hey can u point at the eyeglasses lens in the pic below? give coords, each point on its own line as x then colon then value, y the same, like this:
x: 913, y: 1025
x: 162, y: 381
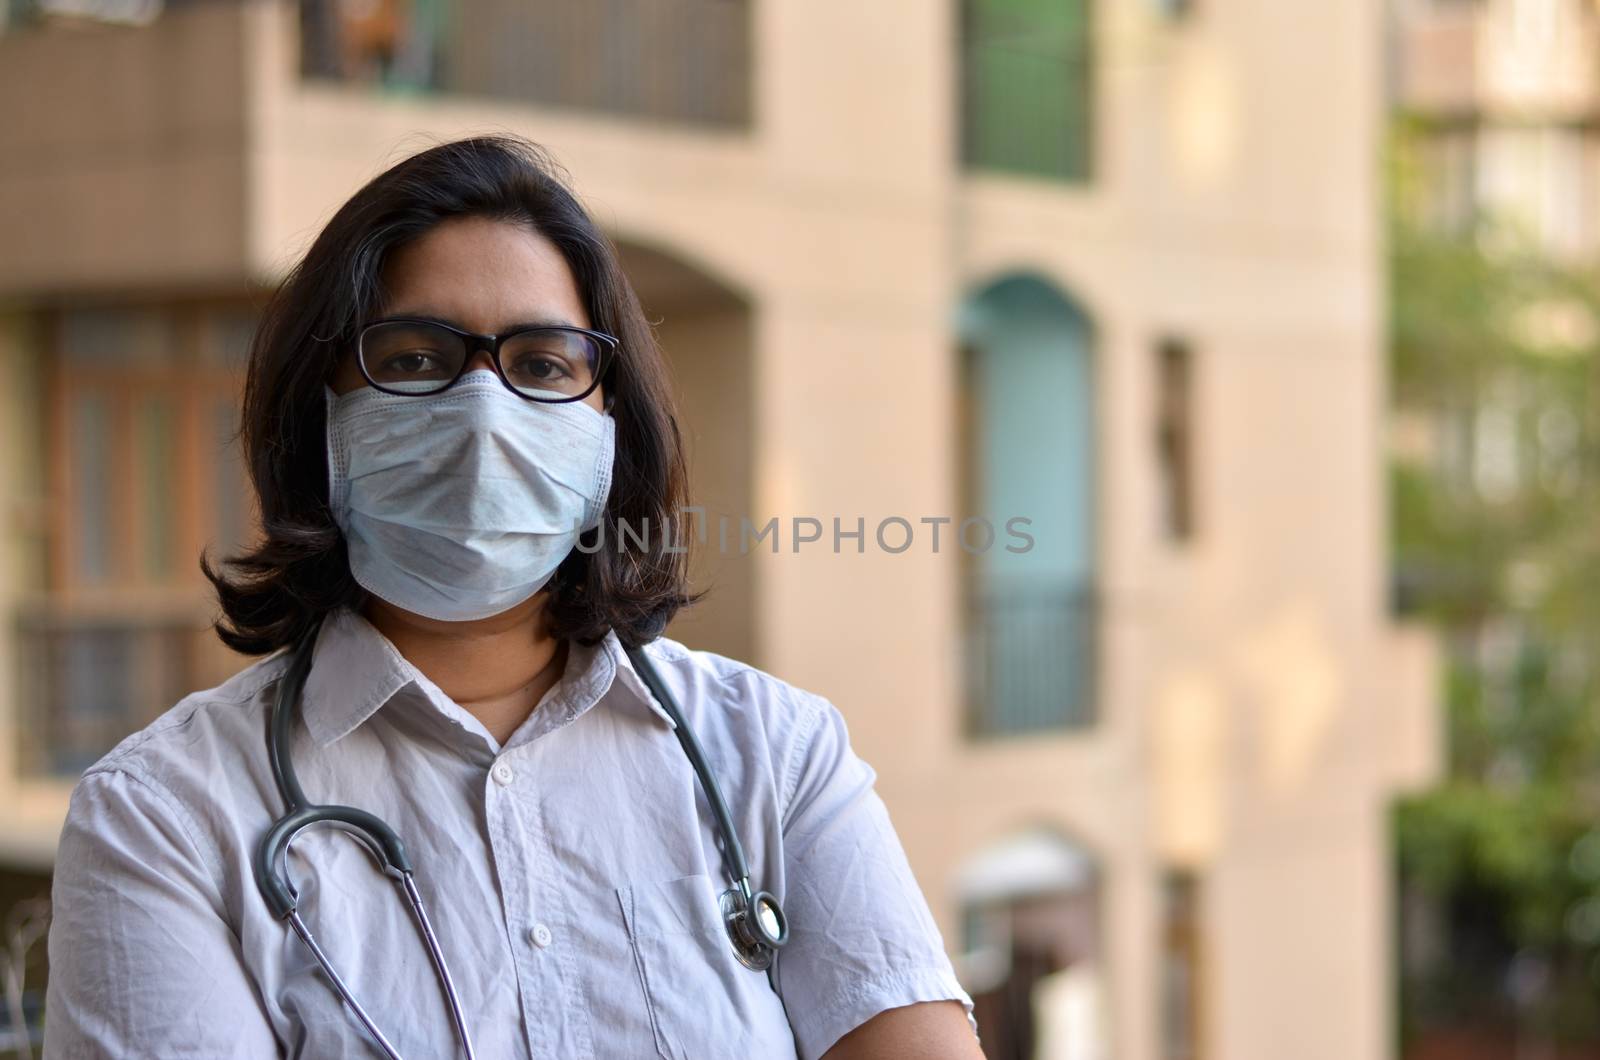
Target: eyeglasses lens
x: 411, y: 358
x: 550, y: 363
x: 545, y: 364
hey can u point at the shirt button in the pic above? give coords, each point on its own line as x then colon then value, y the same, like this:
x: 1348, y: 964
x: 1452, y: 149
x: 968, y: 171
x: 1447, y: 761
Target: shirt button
x: 503, y: 774
x: 541, y: 936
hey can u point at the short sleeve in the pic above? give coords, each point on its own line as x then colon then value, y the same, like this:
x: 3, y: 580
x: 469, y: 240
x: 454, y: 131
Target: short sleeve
x: 142, y: 962
x: 862, y: 939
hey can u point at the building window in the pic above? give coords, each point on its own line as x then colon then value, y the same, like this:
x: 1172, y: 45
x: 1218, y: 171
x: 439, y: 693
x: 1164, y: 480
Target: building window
x: 1180, y: 967
x: 1028, y: 465
x: 143, y: 474
x: 1175, y: 438
x: 1448, y: 164
x: 1027, y: 87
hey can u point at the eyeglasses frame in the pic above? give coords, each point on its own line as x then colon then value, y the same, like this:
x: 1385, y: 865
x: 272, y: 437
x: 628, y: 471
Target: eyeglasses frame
x: 477, y: 341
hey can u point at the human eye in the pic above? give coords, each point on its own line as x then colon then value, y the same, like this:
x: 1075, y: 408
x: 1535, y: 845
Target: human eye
x: 550, y: 360
x: 414, y: 362
x: 540, y: 367
x: 408, y: 354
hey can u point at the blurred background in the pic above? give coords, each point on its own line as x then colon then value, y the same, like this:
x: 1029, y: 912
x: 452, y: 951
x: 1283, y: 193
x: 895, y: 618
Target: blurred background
x: 1278, y: 318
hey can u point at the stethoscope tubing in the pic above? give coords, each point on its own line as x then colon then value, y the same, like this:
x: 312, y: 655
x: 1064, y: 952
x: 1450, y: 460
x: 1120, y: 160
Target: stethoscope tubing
x: 754, y: 943
x: 734, y: 852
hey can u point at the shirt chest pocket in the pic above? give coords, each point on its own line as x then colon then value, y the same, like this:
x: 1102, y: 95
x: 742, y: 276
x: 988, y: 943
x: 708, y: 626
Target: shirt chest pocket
x: 703, y: 1003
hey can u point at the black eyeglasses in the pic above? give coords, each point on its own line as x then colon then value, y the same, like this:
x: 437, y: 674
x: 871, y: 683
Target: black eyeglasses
x: 550, y: 363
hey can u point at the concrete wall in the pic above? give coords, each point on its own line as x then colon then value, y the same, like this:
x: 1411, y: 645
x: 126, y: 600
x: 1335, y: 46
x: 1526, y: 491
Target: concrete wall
x: 124, y: 154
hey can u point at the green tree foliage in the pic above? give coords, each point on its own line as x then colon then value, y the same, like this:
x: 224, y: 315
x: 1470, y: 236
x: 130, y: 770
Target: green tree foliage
x: 1495, y: 501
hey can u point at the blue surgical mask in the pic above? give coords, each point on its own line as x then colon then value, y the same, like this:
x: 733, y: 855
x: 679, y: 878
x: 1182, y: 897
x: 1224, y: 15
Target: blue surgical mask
x: 460, y: 505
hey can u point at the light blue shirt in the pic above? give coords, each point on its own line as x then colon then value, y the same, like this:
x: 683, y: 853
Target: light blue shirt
x: 572, y: 874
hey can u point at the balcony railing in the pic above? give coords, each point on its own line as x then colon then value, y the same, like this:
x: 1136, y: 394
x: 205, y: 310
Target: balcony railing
x: 1030, y: 659
x: 87, y: 682
x: 666, y: 60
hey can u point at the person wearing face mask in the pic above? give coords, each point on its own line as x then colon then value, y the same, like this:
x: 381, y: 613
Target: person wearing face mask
x: 471, y: 802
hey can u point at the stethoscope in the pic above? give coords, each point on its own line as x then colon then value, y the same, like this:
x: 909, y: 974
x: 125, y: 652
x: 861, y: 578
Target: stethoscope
x: 756, y: 937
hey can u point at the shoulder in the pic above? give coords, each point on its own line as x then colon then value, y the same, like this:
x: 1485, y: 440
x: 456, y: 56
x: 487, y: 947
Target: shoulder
x: 206, y: 750
x: 725, y: 689
x: 209, y: 720
x: 163, y: 797
x: 748, y: 710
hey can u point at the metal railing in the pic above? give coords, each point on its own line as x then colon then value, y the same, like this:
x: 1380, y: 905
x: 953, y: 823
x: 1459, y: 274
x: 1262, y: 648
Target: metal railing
x: 23, y: 934
x: 1030, y: 659
x: 669, y: 60
x: 87, y: 682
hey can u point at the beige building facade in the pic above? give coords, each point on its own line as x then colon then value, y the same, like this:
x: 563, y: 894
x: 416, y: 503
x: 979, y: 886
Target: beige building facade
x: 1141, y: 769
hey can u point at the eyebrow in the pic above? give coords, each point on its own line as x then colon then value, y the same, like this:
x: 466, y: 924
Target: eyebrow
x: 440, y: 318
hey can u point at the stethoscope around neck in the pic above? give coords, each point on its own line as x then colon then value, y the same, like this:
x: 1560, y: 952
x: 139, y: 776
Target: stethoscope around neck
x: 754, y: 920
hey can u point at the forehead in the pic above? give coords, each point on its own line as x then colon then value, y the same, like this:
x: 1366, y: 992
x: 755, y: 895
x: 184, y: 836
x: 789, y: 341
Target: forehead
x: 483, y: 275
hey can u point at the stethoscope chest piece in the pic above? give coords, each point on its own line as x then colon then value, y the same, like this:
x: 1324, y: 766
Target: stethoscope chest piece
x: 756, y: 927
x: 754, y: 920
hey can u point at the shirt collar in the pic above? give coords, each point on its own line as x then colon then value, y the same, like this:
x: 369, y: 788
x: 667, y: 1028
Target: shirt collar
x: 355, y: 670
x: 629, y: 677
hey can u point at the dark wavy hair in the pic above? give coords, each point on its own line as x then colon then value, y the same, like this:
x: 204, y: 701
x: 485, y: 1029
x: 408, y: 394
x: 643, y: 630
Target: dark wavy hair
x: 273, y: 592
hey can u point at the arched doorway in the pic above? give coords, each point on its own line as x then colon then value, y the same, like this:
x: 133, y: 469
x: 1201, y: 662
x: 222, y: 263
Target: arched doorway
x: 704, y: 327
x: 1027, y: 391
x: 1033, y: 959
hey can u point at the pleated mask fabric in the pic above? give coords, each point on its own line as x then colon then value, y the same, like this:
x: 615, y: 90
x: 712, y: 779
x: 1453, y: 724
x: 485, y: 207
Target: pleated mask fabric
x: 461, y: 505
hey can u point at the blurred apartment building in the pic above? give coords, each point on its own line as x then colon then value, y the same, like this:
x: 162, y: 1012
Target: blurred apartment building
x: 1498, y: 102
x: 1113, y: 267
x: 1504, y: 96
